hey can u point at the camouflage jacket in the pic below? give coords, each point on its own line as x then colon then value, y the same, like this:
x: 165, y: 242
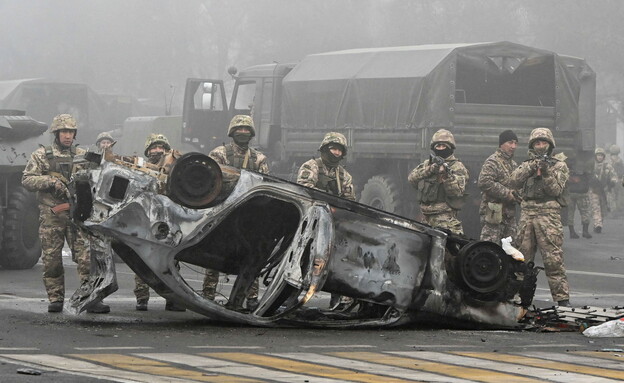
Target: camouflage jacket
x: 309, y: 176
x: 37, y: 178
x: 494, y: 180
x: 553, y: 183
x: 618, y: 165
x: 605, y: 176
x: 453, y: 183
x: 220, y: 154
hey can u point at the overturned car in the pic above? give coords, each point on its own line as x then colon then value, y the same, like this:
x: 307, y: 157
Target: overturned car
x: 298, y: 242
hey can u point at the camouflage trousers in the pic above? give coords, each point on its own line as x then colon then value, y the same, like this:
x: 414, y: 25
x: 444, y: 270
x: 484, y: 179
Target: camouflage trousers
x: 141, y: 289
x: 54, y: 230
x: 598, y: 207
x: 581, y: 202
x: 445, y: 220
x: 211, y: 280
x: 495, y: 232
x: 616, y: 199
x: 539, y: 229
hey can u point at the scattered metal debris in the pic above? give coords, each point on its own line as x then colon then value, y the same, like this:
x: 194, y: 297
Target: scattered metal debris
x: 28, y: 371
x: 558, y: 318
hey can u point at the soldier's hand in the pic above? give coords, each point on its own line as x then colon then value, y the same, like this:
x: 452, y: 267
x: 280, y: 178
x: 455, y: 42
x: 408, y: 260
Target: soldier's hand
x: 60, y: 188
x: 514, y: 196
x: 544, y: 168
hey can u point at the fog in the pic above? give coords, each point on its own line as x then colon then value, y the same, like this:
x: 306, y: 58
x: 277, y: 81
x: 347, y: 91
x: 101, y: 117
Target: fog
x: 147, y: 48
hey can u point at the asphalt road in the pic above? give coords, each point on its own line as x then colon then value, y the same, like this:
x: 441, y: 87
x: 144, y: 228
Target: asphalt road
x: 163, y: 346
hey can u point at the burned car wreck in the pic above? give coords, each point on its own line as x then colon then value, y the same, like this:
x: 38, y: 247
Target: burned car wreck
x: 297, y: 241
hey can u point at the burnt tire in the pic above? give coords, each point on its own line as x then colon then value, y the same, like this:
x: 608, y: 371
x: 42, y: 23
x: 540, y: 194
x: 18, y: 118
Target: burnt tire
x: 21, y: 247
x: 383, y: 193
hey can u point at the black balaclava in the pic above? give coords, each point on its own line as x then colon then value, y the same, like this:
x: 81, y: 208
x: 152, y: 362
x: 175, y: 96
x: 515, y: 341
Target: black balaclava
x: 241, y: 139
x: 444, y: 153
x: 328, y: 158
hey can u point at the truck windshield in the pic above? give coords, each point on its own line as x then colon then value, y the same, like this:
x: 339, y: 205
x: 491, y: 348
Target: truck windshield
x: 244, y: 96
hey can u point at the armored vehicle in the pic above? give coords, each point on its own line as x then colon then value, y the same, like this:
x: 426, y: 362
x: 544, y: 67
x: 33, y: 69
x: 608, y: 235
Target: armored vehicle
x: 20, y: 135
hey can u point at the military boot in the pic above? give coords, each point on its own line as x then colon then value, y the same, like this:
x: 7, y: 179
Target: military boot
x: 573, y: 233
x: 55, y: 307
x: 586, y: 231
x: 598, y: 229
x: 141, y: 305
x: 564, y: 303
x: 99, y: 308
x: 172, y: 306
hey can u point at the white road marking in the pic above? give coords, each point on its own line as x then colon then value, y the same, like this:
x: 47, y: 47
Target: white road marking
x: 519, y: 369
x: 82, y: 368
x: 327, y: 346
x: 234, y: 368
x: 229, y: 347
x: 113, y: 348
x: 578, y: 359
x: 368, y: 367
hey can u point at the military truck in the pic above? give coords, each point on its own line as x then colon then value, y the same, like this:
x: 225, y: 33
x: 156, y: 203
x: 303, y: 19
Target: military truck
x: 390, y: 101
x: 20, y: 135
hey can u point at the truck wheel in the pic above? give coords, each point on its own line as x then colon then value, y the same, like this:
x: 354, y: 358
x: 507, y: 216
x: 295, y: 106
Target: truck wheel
x: 383, y: 193
x: 21, y: 247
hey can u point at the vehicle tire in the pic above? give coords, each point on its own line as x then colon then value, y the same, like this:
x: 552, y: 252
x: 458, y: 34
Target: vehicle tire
x: 21, y: 247
x: 383, y: 192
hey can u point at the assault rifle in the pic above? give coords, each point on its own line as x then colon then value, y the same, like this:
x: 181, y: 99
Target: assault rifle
x: 439, y: 161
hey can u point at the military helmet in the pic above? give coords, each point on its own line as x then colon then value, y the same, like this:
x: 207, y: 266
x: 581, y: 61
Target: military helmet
x: 335, y: 138
x: 104, y: 136
x: 241, y: 120
x: 63, y: 121
x: 600, y: 151
x: 614, y: 149
x: 443, y: 136
x: 156, y: 138
x: 543, y: 134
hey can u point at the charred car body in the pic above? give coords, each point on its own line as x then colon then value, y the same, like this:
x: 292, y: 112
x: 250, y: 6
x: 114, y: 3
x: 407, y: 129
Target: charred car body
x: 298, y: 242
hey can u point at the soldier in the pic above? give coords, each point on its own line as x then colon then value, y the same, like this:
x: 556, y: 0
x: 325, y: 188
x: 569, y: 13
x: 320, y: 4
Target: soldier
x: 104, y: 140
x: 48, y: 172
x: 237, y: 154
x: 578, y: 196
x: 542, y: 180
x: 441, y: 181
x: 605, y: 178
x: 158, y: 152
x: 498, y: 200
x: 325, y: 173
x: 617, y: 193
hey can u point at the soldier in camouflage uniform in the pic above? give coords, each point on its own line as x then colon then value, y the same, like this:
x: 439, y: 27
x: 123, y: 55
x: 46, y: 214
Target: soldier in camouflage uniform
x: 237, y: 154
x: 605, y: 179
x: 498, y: 200
x: 104, y: 140
x: 158, y: 152
x: 542, y: 180
x: 47, y: 173
x: 617, y: 193
x: 578, y: 196
x: 326, y: 174
x: 441, y: 181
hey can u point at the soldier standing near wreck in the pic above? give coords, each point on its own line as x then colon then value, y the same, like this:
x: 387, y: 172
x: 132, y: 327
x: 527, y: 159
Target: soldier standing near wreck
x: 325, y: 173
x: 578, y: 196
x: 441, y: 181
x: 542, y: 180
x: 158, y: 152
x: 498, y: 199
x: 605, y: 179
x: 237, y: 154
x: 617, y: 193
x: 47, y: 173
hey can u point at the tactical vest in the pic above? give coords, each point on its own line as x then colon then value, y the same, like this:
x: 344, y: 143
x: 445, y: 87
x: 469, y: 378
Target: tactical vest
x: 432, y: 191
x: 328, y: 182
x: 60, y: 167
x: 237, y: 160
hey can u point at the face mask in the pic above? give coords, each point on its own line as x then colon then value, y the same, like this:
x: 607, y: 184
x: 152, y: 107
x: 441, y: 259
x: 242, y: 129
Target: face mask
x: 444, y: 153
x: 154, y: 158
x: 241, y: 139
x: 329, y: 159
x: 541, y: 151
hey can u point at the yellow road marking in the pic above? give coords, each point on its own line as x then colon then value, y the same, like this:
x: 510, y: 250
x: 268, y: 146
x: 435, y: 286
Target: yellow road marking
x: 618, y: 356
x: 470, y: 373
x: 548, y: 364
x: 154, y: 367
x: 304, y: 367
